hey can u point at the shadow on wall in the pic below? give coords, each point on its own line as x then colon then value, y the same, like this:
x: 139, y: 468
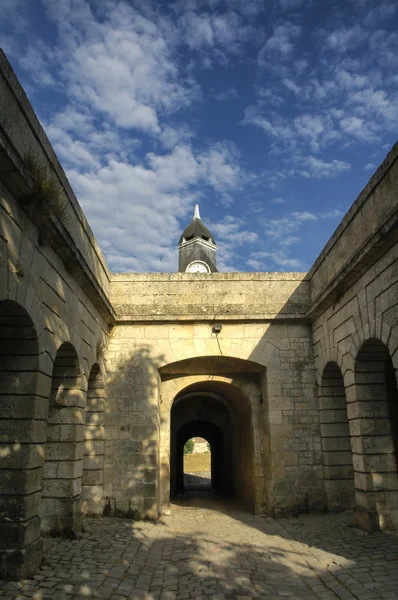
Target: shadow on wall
x: 293, y: 460
x: 131, y: 435
x: 275, y: 377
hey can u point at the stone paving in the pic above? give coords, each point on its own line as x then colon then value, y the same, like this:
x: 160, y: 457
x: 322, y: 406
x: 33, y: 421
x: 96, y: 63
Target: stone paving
x: 208, y: 550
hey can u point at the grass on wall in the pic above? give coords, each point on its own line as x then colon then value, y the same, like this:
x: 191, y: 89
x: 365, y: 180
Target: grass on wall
x: 46, y: 196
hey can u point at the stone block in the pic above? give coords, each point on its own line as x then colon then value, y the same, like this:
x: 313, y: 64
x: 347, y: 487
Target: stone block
x: 378, y: 463
x: 93, y: 507
x: 275, y: 417
x: 21, y: 456
x: 22, y: 431
x: 61, y: 488
x: 94, y: 432
x: 93, y: 462
x: 20, y: 481
x: 94, y: 419
x: 367, y: 410
x: 22, y: 563
x: 18, y: 535
x: 338, y: 472
x: 65, y: 433
x: 371, y: 426
x: 24, y: 407
x: 61, y: 525
x: 19, y: 508
x: 366, y: 519
x: 66, y: 416
x: 334, y: 430
x: 377, y: 444
x: 94, y: 447
x: 64, y: 451
x: 334, y: 416
x: 92, y: 478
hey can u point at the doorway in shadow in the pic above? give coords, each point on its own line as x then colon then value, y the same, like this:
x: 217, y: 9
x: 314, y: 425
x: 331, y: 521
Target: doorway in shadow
x: 200, y: 411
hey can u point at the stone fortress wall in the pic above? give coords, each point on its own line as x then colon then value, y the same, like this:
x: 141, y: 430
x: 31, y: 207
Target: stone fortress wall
x: 164, y: 334
x: 354, y: 314
x: 54, y: 314
x: 102, y: 372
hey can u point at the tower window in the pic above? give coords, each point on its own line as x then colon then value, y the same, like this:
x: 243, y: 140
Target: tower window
x: 205, y: 238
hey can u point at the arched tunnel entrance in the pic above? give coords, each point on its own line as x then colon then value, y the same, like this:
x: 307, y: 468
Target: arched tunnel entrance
x: 215, y: 438
x: 221, y: 414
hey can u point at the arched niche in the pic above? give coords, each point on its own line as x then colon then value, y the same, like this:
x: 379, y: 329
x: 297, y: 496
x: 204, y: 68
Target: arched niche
x: 373, y: 416
x: 335, y: 439
x: 61, y: 496
x: 23, y: 411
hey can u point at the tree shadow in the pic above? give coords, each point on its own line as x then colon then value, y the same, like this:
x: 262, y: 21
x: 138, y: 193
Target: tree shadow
x: 131, y: 463
x: 221, y: 558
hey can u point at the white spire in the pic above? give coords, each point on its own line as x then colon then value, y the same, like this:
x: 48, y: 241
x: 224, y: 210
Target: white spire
x: 196, y: 214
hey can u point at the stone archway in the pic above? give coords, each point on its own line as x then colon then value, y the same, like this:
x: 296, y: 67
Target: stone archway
x: 236, y: 385
x: 373, y: 416
x: 216, y: 411
x: 63, y: 464
x: 202, y: 414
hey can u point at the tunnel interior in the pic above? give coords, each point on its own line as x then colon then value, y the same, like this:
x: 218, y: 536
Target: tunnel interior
x: 224, y: 419
x: 215, y: 438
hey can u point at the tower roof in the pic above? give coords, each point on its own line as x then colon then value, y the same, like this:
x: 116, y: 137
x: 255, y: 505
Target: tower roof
x: 197, y: 229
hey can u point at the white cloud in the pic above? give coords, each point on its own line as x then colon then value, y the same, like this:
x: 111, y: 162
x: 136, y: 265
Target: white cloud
x: 36, y: 62
x: 221, y: 33
x: 311, y: 132
x: 321, y: 169
x: 221, y: 167
x: 280, y: 44
x: 226, y: 94
x: 122, y: 66
x: 304, y: 216
x: 267, y: 261
x: 369, y: 167
x: 148, y: 199
x: 126, y: 80
x: 336, y: 213
x: 358, y: 128
x: 172, y: 135
x: 346, y: 37
x: 283, y: 233
x: 381, y: 12
x: 231, y: 233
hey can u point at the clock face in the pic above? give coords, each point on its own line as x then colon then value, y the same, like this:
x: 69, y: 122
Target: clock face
x: 197, y: 266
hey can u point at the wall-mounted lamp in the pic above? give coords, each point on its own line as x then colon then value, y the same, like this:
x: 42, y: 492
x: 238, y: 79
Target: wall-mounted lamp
x: 216, y: 328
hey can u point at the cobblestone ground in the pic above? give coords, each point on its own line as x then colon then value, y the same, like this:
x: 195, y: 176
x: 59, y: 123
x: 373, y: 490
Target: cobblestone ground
x: 205, y: 550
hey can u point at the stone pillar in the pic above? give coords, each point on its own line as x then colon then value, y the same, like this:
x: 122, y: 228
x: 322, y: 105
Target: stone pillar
x: 22, y: 434
x: 93, y: 462
x: 23, y: 411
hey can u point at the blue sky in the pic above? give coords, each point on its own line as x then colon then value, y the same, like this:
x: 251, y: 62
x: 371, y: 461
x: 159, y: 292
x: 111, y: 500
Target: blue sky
x: 271, y: 114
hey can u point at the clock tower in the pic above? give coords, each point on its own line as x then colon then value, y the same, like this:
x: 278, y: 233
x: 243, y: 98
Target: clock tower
x: 197, y: 248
